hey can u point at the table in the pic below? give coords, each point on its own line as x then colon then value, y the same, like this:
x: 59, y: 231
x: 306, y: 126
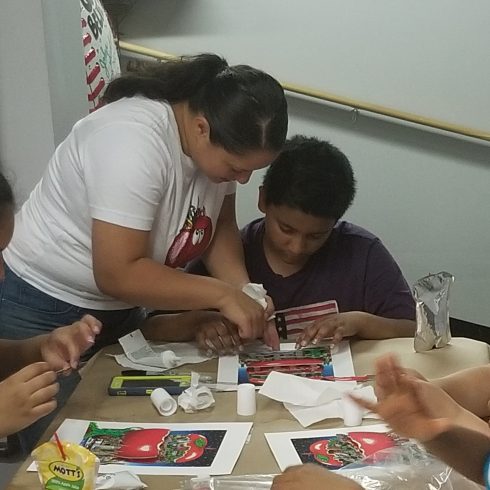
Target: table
x: 90, y: 401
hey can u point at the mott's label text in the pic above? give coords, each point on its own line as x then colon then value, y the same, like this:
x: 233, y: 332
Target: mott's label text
x: 66, y: 476
x: 67, y: 471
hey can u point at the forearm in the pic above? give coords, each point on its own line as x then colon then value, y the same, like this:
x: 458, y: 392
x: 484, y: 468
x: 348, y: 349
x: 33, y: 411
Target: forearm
x: 463, y: 449
x: 376, y: 327
x: 145, y: 282
x: 19, y: 353
x: 179, y: 327
x: 224, y: 258
x: 469, y: 388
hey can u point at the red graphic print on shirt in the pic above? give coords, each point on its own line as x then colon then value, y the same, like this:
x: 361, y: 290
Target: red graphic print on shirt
x: 193, y: 238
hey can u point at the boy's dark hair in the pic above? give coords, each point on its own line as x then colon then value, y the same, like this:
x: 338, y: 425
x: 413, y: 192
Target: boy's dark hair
x: 6, y: 194
x: 313, y: 176
x: 246, y: 108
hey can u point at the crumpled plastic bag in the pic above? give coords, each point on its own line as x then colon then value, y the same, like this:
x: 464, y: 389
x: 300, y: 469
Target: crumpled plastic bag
x: 407, y: 467
x: 431, y: 294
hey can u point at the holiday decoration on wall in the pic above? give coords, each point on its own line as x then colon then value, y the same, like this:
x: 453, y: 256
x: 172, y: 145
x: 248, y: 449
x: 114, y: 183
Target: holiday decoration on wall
x: 100, y: 51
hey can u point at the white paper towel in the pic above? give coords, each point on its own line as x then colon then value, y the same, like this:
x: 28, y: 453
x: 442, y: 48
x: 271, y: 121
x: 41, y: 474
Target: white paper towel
x: 196, y: 397
x: 256, y: 292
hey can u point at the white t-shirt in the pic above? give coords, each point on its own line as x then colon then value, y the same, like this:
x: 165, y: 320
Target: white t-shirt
x: 122, y: 164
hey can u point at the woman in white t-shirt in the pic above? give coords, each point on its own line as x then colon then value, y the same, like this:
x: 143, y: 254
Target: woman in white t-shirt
x: 139, y: 188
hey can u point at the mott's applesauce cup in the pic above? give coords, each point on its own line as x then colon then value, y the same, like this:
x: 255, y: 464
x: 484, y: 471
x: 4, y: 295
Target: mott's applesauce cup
x: 77, y: 470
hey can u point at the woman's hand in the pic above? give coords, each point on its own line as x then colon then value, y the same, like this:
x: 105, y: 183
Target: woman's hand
x: 26, y: 396
x: 245, y: 312
x: 62, y: 348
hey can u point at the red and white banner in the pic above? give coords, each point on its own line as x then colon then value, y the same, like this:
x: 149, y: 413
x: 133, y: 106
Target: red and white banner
x: 100, y: 50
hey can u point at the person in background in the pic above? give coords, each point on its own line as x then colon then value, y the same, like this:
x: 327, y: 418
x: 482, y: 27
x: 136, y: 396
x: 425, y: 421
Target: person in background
x: 30, y: 367
x: 415, y: 408
x: 312, y: 477
x: 327, y: 277
x: 138, y: 188
x: 444, y: 414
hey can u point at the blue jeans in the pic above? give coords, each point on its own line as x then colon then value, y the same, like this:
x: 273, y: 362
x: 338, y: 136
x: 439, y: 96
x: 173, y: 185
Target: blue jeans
x: 26, y: 312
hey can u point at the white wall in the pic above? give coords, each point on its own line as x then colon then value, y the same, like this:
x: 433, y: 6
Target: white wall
x: 428, y: 57
x: 42, y: 88
x: 426, y: 194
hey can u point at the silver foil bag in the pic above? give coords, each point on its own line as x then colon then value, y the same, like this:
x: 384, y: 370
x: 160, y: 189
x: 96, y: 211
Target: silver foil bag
x: 431, y: 294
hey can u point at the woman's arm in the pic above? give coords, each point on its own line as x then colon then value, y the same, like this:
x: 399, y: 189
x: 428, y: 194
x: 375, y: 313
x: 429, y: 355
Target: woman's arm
x: 123, y: 270
x: 224, y: 257
x: 225, y: 260
x: 176, y: 327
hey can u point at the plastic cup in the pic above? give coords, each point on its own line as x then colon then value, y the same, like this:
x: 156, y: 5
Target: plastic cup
x: 352, y: 413
x: 245, y: 400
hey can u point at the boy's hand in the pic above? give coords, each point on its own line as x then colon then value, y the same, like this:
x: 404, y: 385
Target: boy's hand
x: 26, y: 396
x: 312, y: 477
x: 335, y: 326
x: 218, y: 336
x: 62, y: 348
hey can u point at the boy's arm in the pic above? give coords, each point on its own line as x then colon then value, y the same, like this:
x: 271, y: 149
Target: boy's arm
x: 376, y: 327
x: 212, y: 332
x: 470, y: 388
x: 355, y: 323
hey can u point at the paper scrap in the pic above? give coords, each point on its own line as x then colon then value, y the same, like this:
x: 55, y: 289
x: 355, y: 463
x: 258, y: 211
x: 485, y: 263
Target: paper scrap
x: 139, y: 354
x: 305, y: 392
x: 121, y: 480
x: 307, y: 416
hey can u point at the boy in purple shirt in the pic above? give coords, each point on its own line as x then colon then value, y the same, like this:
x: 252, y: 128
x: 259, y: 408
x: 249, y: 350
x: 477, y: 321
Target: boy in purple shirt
x: 326, y: 277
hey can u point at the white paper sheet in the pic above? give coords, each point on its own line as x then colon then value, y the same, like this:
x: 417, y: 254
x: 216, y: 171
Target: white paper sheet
x: 288, y: 388
x: 307, y: 416
x: 141, y: 355
x: 228, y: 449
x: 285, y: 452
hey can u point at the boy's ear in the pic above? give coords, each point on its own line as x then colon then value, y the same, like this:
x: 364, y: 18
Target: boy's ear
x: 261, y: 203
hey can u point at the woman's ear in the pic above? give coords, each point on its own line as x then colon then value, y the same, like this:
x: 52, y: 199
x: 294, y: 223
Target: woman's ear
x: 201, y: 127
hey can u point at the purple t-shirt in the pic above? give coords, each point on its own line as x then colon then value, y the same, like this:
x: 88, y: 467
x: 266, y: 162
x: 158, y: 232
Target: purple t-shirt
x: 353, y: 267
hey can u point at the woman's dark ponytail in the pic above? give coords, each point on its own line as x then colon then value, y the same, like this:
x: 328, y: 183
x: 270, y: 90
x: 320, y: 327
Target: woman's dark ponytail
x: 246, y: 108
x: 173, y: 81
